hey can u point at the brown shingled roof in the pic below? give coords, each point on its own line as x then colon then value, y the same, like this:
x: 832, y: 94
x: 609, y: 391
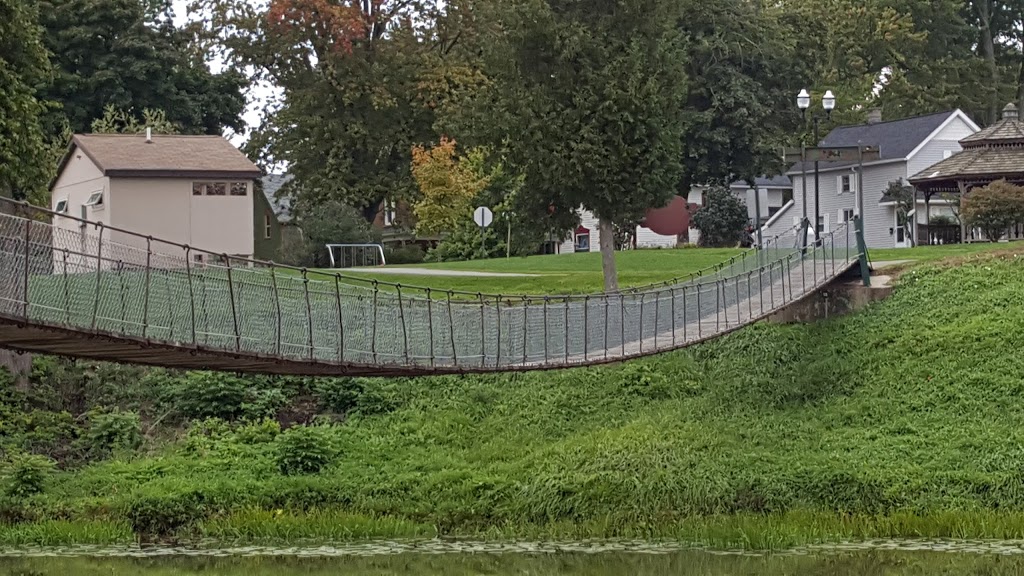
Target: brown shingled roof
x: 166, y: 156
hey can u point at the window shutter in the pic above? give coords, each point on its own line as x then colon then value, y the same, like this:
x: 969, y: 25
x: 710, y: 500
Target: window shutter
x: 827, y: 227
x: 839, y: 184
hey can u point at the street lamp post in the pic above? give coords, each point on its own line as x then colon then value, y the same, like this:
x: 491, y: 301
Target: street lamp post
x: 828, y: 103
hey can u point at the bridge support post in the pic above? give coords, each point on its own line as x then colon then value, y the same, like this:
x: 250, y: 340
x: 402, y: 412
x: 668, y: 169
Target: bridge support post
x: 862, y: 251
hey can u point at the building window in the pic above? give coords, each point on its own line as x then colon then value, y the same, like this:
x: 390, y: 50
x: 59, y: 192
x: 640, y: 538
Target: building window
x: 582, y: 239
x: 197, y: 258
x: 946, y: 154
x: 772, y: 211
x: 62, y: 207
x: 220, y: 188
x: 95, y: 200
x: 389, y: 213
x: 266, y: 225
x: 847, y: 215
x: 847, y: 184
x: 821, y: 224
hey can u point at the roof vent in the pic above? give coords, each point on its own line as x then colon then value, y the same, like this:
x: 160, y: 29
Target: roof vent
x: 1010, y: 112
x: 875, y: 116
x: 149, y: 135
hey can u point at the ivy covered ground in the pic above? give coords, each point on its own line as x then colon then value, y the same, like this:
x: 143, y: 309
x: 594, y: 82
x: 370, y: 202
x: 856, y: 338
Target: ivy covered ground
x: 903, y: 420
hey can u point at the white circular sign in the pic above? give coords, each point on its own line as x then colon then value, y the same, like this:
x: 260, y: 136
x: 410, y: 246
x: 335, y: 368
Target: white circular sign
x: 483, y: 216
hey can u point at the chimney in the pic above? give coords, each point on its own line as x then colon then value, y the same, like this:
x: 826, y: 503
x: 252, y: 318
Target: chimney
x: 1010, y: 112
x: 149, y: 135
x: 874, y: 116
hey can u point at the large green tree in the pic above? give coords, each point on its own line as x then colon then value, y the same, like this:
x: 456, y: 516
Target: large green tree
x: 128, y: 54
x: 359, y: 86
x: 23, y: 68
x: 588, y: 97
x: 743, y: 70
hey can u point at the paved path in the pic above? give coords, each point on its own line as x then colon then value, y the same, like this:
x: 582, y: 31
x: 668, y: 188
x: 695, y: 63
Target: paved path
x: 440, y: 272
x: 888, y: 264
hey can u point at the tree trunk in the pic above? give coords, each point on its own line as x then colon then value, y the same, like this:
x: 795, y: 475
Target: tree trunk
x: 611, y: 275
x: 19, y: 365
x: 988, y: 48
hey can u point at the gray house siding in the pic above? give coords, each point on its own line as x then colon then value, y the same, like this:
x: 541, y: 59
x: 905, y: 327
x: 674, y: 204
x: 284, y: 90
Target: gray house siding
x: 898, y: 140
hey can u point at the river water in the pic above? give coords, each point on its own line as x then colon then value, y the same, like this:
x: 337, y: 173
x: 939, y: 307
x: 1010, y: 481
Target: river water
x: 434, y: 558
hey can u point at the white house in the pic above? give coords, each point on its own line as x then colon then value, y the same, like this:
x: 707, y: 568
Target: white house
x: 587, y: 237
x: 906, y: 148
x: 775, y: 192
x: 191, y: 190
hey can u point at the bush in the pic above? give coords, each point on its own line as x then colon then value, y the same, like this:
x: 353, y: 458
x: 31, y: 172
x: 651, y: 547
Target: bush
x: 408, y: 254
x: 464, y: 244
x: 54, y: 434
x: 28, y: 475
x: 722, y: 220
x: 942, y: 220
x: 338, y: 395
x: 305, y: 450
x: 994, y: 208
x: 112, y: 431
x: 203, y: 395
x: 162, y: 514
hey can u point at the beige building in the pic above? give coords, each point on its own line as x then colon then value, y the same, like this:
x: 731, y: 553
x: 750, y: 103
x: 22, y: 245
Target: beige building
x: 192, y: 190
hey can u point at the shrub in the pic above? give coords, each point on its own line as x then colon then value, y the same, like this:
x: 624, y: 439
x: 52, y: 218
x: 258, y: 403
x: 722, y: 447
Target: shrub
x: 942, y: 220
x: 305, y: 450
x: 163, y: 513
x: 209, y: 395
x: 722, y: 219
x: 338, y: 395
x: 112, y: 431
x: 28, y: 475
x: 260, y: 432
x: 994, y: 208
x: 408, y: 254
x: 54, y: 434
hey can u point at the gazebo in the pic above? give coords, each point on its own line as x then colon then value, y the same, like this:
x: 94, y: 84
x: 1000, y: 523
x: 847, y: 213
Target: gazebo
x: 995, y: 153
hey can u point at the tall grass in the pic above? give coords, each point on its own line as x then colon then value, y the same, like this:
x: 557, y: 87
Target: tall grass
x: 903, y: 420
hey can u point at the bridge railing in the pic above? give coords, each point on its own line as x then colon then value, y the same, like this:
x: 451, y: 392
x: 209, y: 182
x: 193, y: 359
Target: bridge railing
x: 102, y: 280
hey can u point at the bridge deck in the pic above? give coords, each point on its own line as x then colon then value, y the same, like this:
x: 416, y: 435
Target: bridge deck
x: 107, y: 294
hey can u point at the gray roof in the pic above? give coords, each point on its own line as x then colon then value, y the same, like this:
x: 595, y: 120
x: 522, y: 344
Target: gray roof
x: 779, y: 181
x: 282, y: 207
x: 896, y: 139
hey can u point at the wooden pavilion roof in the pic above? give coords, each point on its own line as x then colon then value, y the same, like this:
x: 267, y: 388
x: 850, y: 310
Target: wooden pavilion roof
x: 992, y: 154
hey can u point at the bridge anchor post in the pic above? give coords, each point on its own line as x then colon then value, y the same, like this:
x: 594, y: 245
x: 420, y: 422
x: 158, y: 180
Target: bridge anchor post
x: 862, y: 251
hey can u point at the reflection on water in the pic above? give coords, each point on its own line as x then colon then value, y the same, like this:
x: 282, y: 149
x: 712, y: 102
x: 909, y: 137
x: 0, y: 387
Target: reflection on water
x: 918, y: 558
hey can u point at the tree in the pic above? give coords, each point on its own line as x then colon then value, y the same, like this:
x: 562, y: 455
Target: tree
x: 330, y: 223
x: 122, y: 53
x: 448, y: 186
x: 994, y: 208
x: 23, y: 67
x: 358, y: 88
x: 743, y: 72
x: 722, y: 219
x: 905, y: 198
x: 586, y: 100
x: 116, y: 121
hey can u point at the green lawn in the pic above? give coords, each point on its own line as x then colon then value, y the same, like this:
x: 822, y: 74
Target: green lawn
x: 581, y: 273
x: 561, y: 274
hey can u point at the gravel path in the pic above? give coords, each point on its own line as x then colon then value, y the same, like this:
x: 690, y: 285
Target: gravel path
x: 440, y: 272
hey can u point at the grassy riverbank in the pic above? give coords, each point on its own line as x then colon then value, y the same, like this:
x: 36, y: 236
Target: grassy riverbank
x: 902, y: 421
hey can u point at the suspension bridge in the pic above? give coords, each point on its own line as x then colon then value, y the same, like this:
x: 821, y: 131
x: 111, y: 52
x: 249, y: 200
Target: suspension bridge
x: 81, y: 289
